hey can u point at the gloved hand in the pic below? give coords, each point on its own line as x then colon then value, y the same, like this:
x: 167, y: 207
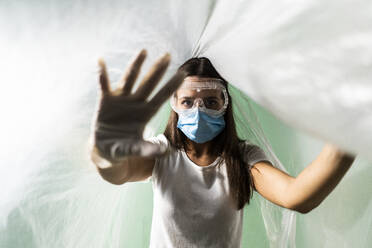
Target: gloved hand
x: 121, y: 116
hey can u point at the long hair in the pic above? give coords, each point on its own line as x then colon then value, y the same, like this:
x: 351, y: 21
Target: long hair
x: 226, y: 144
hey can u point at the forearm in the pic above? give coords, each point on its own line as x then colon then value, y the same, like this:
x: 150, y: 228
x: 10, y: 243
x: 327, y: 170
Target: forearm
x: 115, y: 173
x: 319, y: 178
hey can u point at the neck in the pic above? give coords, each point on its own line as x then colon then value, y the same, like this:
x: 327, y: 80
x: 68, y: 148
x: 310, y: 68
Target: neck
x: 199, y: 150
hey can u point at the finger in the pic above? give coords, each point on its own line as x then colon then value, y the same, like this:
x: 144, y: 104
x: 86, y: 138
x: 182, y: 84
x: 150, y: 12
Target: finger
x: 118, y: 150
x: 147, y: 149
x: 152, y: 78
x: 171, y: 86
x: 103, y: 77
x: 132, y: 73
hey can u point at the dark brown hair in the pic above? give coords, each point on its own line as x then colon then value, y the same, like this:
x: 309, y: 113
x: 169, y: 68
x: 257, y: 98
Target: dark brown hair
x: 226, y: 144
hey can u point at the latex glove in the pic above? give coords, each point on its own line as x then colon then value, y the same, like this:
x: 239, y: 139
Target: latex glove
x: 121, y: 116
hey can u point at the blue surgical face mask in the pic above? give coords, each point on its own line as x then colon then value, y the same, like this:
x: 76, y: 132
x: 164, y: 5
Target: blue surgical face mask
x: 199, y: 126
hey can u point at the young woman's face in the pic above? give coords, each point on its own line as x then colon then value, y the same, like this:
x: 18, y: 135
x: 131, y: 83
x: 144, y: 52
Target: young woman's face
x: 189, y: 98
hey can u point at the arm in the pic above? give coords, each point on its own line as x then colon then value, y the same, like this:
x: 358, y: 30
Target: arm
x: 306, y: 191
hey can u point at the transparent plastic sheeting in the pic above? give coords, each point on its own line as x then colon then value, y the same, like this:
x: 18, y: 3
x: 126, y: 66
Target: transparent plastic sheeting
x: 307, y: 62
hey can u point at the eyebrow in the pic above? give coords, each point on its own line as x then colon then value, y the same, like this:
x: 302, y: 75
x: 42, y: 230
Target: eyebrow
x: 196, y: 97
x: 189, y: 97
x: 186, y: 97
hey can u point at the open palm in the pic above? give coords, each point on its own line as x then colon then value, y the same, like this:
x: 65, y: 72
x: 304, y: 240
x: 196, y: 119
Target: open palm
x: 122, y: 115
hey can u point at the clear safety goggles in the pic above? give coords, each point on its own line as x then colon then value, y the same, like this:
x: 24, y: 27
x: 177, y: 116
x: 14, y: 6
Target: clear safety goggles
x: 207, y: 94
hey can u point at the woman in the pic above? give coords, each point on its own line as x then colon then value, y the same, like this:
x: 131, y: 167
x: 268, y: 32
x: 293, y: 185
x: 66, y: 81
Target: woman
x: 202, y: 174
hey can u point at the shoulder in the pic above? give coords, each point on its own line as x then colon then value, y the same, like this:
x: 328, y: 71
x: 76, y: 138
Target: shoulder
x: 252, y: 153
x: 248, y: 147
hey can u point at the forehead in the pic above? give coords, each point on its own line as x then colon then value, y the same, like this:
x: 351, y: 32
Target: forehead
x: 202, y: 93
x: 195, y: 86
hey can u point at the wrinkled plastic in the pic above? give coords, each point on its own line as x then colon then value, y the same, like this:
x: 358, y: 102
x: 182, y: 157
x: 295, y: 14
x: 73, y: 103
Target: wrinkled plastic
x: 307, y: 62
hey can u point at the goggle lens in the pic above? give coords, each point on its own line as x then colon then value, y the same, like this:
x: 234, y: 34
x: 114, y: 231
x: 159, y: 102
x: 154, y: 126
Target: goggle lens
x: 207, y: 102
x: 209, y: 95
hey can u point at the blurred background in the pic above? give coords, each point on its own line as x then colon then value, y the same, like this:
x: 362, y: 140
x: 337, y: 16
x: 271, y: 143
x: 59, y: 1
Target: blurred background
x: 300, y: 72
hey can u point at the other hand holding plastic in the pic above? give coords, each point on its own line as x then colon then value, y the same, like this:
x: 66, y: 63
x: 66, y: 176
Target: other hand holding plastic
x: 122, y: 116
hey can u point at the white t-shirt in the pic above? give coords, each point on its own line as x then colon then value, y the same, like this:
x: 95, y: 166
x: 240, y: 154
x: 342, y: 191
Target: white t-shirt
x: 192, y: 206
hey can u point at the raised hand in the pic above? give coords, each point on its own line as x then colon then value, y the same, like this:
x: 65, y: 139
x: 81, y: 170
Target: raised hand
x: 122, y: 116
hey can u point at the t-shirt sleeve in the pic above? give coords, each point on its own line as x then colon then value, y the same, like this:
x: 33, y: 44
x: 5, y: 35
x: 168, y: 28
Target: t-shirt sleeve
x: 162, y: 141
x: 253, y: 154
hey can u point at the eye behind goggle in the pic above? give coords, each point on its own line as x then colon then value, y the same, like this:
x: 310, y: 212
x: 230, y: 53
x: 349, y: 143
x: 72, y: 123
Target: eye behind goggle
x: 209, y: 105
x: 207, y: 102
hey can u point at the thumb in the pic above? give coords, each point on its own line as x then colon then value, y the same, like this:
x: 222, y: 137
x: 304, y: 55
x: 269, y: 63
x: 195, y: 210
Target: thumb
x: 135, y: 147
x: 147, y: 149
